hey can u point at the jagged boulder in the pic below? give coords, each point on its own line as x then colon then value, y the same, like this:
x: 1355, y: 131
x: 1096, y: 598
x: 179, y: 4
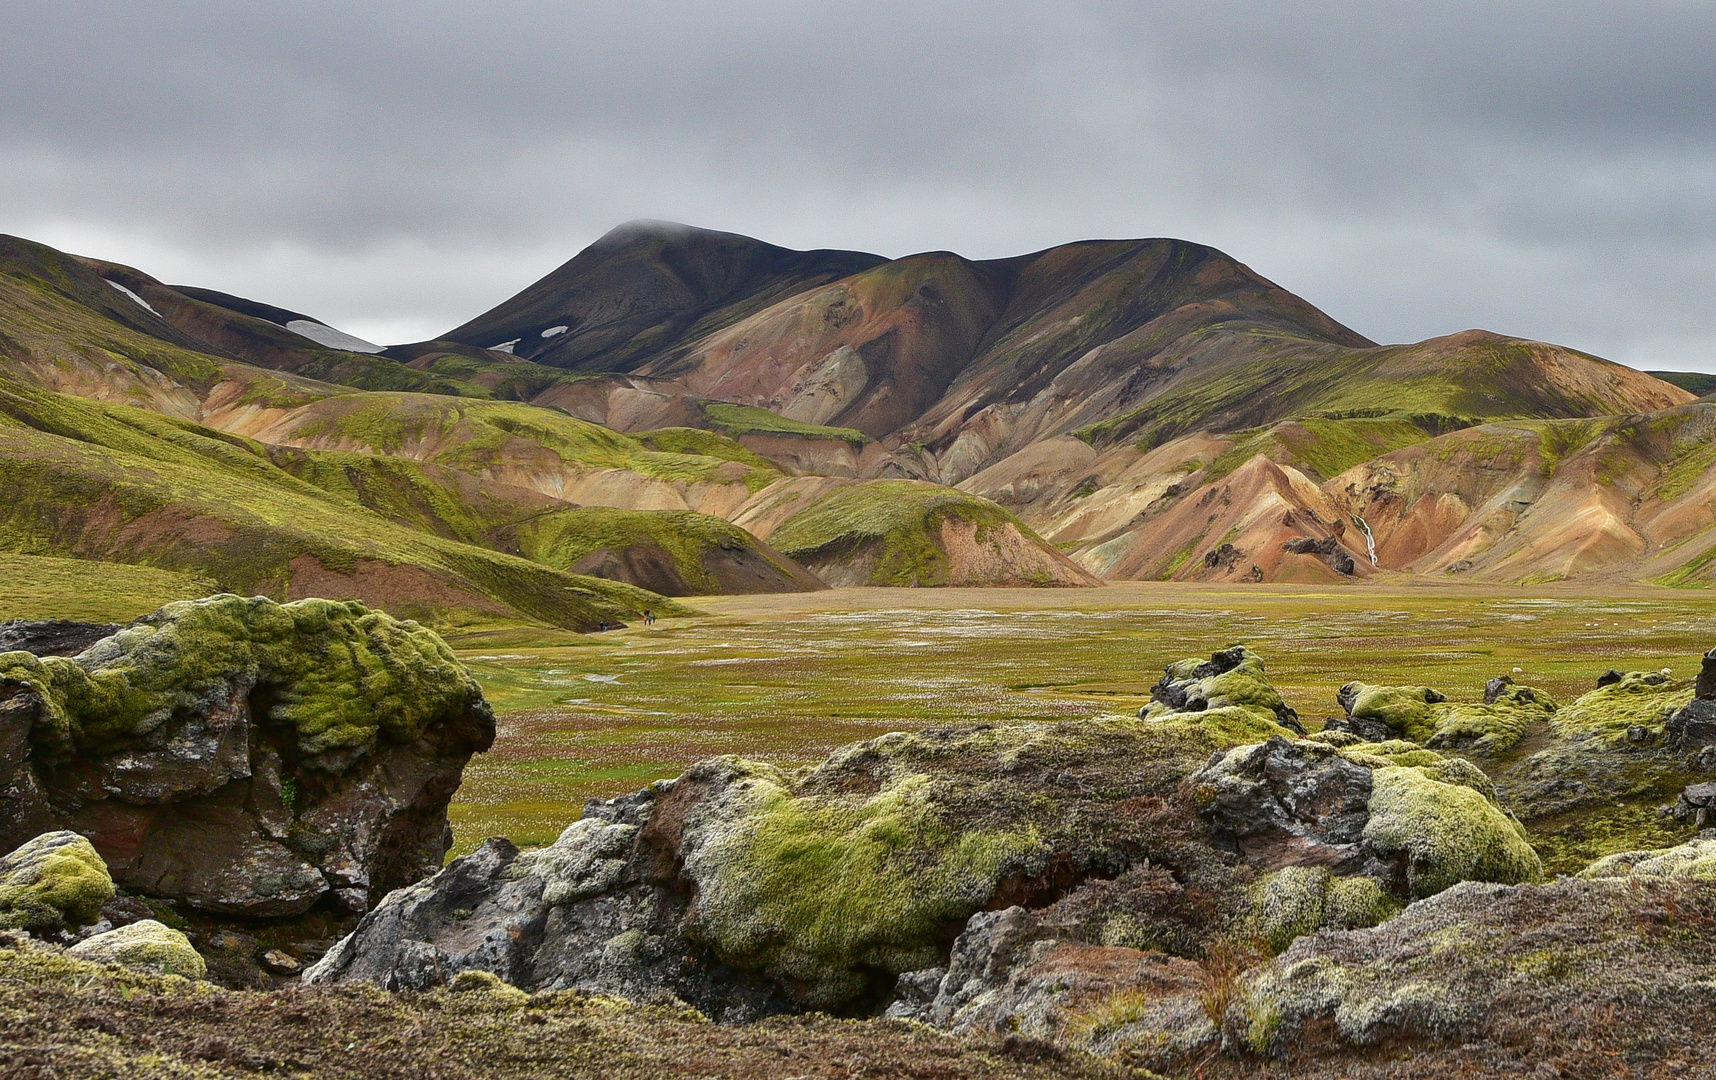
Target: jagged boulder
x: 146, y: 945
x: 242, y: 756
x: 1693, y: 726
x: 54, y: 881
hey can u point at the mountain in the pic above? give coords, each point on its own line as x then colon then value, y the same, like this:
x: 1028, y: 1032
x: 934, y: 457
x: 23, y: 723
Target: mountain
x: 688, y: 411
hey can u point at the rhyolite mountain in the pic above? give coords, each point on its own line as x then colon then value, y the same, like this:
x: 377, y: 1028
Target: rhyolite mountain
x: 692, y: 411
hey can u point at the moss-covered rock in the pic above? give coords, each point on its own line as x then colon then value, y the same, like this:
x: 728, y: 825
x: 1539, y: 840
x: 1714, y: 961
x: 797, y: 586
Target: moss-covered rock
x: 56, y: 880
x: 304, y: 749
x: 817, y: 888
x: 1230, y: 692
x: 340, y: 675
x: 1422, y: 715
x: 1301, y: 900
x: 145, y: 945
x: 1404, y: 710
x: 1644, y: 699
x: 1694, y: 860
x: 1409, y: 817
x: 1448, y: 832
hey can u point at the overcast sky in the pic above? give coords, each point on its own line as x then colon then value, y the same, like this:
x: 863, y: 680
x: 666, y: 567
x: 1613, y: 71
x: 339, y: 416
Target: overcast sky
x: 397, y: 168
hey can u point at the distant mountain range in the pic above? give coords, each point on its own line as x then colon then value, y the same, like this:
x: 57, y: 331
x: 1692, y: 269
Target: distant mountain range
x: 686, y: 411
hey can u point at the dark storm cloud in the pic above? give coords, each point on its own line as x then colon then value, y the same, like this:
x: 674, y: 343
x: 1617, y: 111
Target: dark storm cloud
x: 396, y: 168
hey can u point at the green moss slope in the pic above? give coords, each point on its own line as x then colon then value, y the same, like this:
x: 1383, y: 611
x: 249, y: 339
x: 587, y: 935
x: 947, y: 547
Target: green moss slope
x: 111, y: 482
x: 900, y: 517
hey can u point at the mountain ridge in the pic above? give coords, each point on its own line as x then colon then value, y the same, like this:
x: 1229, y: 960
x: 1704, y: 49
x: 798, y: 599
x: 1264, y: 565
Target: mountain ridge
x: 1097, y: 410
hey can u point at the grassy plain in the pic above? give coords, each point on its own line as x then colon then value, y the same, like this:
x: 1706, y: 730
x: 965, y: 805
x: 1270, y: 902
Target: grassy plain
x: 788, y: 678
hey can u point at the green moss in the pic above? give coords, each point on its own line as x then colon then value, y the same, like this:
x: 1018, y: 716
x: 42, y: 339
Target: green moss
x: 1448, y: 832
x: 1405, y: 709
x: 1422, y: 715
x: 341, y: 675
x: 53, y: 881
x: 739, y: 420
x: 1234, y: 707
x: 901, y: 518
x: 146, y: 946
x: 815, y: 888
x: 1641, y: 698
x: 1693, y: 860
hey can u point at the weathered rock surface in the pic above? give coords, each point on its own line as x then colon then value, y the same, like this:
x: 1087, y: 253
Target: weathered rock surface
x: 52, y: 637
x: 744, y: 889
x: 245, y: 757
x: 146, y: 945
x: 1408, y: 818
x: 54, y: 881
x: 1481, y: 963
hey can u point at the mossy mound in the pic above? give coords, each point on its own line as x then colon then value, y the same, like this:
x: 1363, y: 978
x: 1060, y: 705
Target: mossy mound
x: 1301, y: 900
x: 1229, y: 695
x: 54, y: 881
x: 145, y: 945
x: 1637, y: 699
x: 1448, y: 832
x: 341, y: 675
x: 1694, y: 860
x: 817, y: 888
x: 1422, y: 715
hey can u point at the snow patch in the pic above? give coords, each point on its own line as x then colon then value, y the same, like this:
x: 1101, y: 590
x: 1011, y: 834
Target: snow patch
x: 325, y: 335
x: 552, y: 330
x: 141, y: 302
x: 602, y: 678
x: 505, y: 346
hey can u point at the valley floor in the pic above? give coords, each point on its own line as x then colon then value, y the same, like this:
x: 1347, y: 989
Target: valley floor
x: 789, y: 678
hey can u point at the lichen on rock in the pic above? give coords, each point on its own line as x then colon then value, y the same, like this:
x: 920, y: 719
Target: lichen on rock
x: 56, y: 880
x: 146, y: 945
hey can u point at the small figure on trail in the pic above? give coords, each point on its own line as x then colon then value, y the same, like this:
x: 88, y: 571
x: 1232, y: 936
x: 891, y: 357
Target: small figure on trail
x: 603, y: 626
x: 649, y: 618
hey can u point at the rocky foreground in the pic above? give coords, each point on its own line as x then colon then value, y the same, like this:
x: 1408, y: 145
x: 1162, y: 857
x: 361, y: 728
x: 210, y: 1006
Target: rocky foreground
x: 1214, y: 887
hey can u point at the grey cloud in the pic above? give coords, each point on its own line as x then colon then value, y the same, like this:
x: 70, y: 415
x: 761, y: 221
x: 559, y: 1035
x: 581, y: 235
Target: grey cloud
x: 395, y: 168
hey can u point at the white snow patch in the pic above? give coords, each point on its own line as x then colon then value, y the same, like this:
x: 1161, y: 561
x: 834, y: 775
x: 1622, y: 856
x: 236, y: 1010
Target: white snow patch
x: 323, y: 334
x: 602, y: 678
x: 552, y: 330
x: 505, y: 346
x: 144, y: 303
